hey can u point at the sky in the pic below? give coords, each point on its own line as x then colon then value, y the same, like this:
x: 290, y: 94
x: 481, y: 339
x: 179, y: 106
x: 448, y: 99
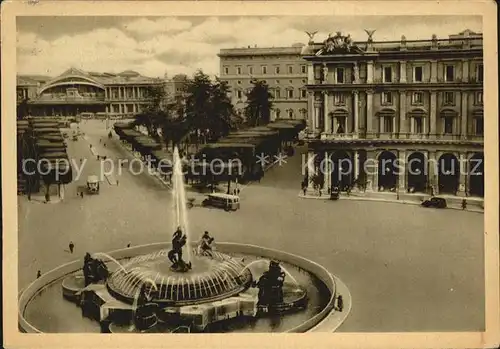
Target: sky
x: 155, y: 46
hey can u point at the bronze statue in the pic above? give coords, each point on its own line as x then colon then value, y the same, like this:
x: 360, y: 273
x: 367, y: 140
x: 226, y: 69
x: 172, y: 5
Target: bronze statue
x: 94, y: 270
x: 270, y: 285
x: 175, y: 254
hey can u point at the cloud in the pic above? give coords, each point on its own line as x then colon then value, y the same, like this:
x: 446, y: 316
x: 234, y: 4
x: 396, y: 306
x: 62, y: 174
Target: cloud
x: 145, y: 26
x: 155, y: 46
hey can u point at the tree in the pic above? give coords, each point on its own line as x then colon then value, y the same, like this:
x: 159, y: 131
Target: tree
x: 209, y: 111
x: 155, y: 112
x: 259, y: 104
x: 22, y: 109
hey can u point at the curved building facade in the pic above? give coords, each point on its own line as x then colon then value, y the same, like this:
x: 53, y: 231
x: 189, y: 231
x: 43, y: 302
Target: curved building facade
x: 76, y: 91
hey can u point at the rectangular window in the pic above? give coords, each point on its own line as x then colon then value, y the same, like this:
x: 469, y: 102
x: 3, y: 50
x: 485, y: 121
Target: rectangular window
x: 303, y: 69
x: 479, y: 73
x: 339, y: 75
x: 418, y: 125
x: 264, y: 70
x: 277, y: 93
x: 387, y: 123
x: 290, y: 93
x: 386, y: 98
x: 226, y: 70
x: 418, y: 98
x: 449, y: 98
x: 448, y: 125
x: 478, y: 98
x: 290, y: 70
x: 387, y: 74
x: 250, y: 70
x: 449, y: 73
x: 303, y: 93
x: 239, y: 94
x: 277, y: 70
x: 277, y: 81
x: 479, y: 126
x: 418, y: 74
x: 339, y: 99
x: 238, y: 70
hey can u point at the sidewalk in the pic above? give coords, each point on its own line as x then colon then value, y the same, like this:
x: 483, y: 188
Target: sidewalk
x: 473, y: 204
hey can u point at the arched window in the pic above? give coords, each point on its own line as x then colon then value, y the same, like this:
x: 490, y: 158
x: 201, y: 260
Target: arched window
x: 290, y: 113
x: 278, y: 112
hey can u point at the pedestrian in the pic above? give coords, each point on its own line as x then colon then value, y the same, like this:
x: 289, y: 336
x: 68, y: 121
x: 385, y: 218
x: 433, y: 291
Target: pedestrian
x: 464, y: 204
x: 104, y: 144
x: 304, y: 189
x: 100, y: 140
x: 38, y: 274
x: 238, y: 191
x: 128, y: 245
x: 71, y: 246
x: 81, y: 194
x: 117, y: 182
x: 98, y: 157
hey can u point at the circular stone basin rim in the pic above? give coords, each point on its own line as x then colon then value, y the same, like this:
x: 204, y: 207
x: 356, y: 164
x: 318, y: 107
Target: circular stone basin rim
x: 308, y: 265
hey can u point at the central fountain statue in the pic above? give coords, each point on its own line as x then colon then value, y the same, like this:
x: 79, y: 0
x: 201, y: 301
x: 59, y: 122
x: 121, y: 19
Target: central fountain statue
x: 175, y: 254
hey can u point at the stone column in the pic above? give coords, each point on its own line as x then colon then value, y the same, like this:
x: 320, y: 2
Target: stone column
x: 464, y: 116
x: 371, y: 171
x: 402, y: 170
x: 326, y: 120
x: 317, y: 111
x: 355, y: 109
x: 402, y: 71
x: 310, y: 74
x: 369, y: 72
x: 433, y: 71
x: 327, y: 174
x: 463, y: 175
x: 105, y: 93
x: 432, y: 111
x: 465, y: 70
x: 310, y: 170
x: 311, y: 116
x: 432, y: 177
x: 356, y: 164
x: 402, y: 113
x: 369, y: 113
x: 134, y: 94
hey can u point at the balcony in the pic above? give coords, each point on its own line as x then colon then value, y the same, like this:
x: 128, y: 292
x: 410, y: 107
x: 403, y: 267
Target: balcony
x: 338, y: 136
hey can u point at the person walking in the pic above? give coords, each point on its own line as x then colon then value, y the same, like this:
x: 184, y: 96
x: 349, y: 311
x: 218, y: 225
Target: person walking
x: 128, y: 245
x: 304, y: 189
x: 71, y: 246
x: 464, y: 204
x: 38, y: 274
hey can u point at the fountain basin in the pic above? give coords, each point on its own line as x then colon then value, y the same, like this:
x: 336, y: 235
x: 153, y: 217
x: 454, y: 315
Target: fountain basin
x: 211, y: 278
x: 321, y: 317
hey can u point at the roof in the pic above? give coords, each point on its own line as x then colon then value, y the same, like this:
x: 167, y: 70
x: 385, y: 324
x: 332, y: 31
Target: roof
x: 260, y: 51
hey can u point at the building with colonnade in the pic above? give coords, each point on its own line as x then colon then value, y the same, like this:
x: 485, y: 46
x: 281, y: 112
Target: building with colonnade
x: 412, y: 110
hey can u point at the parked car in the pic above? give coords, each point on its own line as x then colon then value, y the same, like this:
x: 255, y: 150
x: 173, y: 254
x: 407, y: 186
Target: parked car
x: 435, y: 203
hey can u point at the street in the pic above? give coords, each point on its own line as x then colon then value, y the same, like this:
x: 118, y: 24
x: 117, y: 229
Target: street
x: 407, y: 268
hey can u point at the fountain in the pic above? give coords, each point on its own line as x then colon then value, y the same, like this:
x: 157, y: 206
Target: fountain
x: 162, y: 288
